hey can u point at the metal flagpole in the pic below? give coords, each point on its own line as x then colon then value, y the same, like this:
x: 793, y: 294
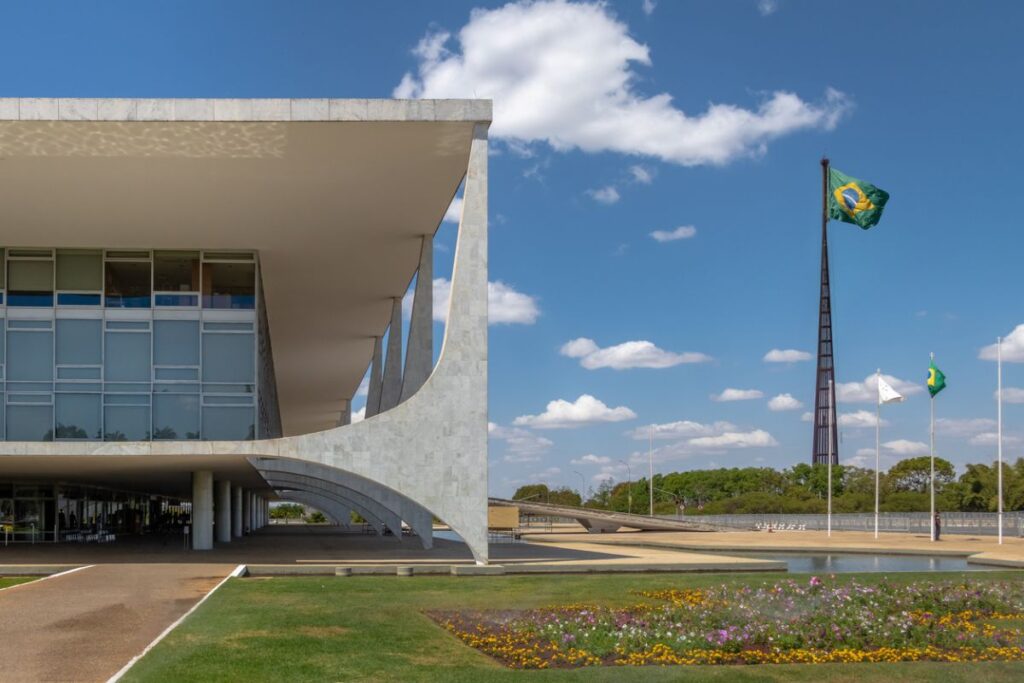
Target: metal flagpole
x: 931, y: 403
x: 999, y: 428
x: 878, y: 439
x: 830, y: 428
x: 650, y: 468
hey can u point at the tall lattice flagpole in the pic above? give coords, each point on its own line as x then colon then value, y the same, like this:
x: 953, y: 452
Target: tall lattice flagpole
x: 826, y: 442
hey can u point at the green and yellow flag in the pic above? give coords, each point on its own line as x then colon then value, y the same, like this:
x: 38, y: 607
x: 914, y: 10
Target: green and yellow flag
x: 854, y: 201
x: 936, y: 380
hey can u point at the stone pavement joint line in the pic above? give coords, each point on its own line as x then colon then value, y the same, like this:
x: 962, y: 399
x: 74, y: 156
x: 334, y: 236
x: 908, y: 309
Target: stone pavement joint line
x: 85, y: 625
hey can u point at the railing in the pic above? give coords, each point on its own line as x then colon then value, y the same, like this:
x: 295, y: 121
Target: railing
x: 981, y: 523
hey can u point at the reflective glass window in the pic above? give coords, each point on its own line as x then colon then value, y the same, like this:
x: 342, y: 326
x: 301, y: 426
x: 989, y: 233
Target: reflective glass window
x: 127, y: 284
x: 79, y: 270
x: 175, y: 417
x: 228, y: 424
x: 176, y: 271
x: 79, y: 342
x: 229, y: 358
x: 30, y: 283
x: 229, y: 285
x: 126, y: 423
x: 29, y: 356
x: 176, y: 342
x: 127, y: 357
x: 78, y: 416
x: 30, y: 423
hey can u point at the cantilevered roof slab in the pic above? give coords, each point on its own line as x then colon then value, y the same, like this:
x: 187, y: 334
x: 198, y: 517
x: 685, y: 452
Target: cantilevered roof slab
x: 334, y: 194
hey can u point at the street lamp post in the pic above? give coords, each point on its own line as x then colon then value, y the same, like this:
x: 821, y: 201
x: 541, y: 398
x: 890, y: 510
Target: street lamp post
x: 629, y: 487
x: 583, y: 485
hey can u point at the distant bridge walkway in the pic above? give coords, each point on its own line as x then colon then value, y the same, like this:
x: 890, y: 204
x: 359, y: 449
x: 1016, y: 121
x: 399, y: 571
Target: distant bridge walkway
x: 605, y: 521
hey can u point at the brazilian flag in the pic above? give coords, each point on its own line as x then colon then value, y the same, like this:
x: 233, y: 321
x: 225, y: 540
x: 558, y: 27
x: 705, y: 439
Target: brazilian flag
x: 936, y: 380
x: 853, y: 201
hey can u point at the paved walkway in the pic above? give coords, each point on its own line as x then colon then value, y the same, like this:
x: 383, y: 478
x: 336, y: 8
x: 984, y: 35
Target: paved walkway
x: 86, y: 625
x: 983, y: 547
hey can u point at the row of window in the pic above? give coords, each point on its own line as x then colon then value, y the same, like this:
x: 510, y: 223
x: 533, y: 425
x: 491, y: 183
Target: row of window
x: 127, y: 380
x: 128, y: 279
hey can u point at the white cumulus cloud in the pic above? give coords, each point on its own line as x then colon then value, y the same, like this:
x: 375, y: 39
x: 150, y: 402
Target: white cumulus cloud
x: 359, y: 415
x: 683, y: 232
x: 682, y: 429
x: 505, y: 305
x: 737, y: 395
x: 523, y: 445
x: 604, y: 195
x: 867, y: 390
x: 591, y: 459
x: 454, y: 212
x: 564, y: 73
x: 642, y: 174
x: 631, y: 354
x: 784, y: 402
x: 585, y: 410
x: 1011, y: 395
x: 755, y: 438
x: 906, y: 448
x: 1013, y: 347
x: 859, y: 419
x: 786, y: 356
x: 963, y: 428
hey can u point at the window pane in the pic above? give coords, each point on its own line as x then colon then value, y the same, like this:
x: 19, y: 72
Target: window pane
x: 228, y: 358
x: 79, y: 270
x: 177, y: 374
x: 29, y: 356
x: 228, y: 424
x: 3, y: 270
x: 126, y: 423
x: 73, y: 299
x: 79, y: 342
x: 78, y: 373
x: 175, y: 417
x: 30, y: 283
x: 127, y: 284
x: 30, y: 423
x: 229, y: 285
x: 127, y: 357
x: 78, y: 416
x: 176, y: 271
x: 176, y: 342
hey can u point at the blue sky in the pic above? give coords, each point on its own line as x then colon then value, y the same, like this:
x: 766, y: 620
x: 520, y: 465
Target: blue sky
x: 709, y: 115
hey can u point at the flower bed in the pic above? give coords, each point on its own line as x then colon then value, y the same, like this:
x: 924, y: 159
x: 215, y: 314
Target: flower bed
x: 815, y: 621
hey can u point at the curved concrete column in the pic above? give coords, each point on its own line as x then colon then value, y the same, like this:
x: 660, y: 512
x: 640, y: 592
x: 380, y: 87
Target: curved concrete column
x: 376, y: 379
x: 391, y: 391
x: 390, y: 519
x: 317, y: 500
x: 419, y: 519
x: 419, y: 348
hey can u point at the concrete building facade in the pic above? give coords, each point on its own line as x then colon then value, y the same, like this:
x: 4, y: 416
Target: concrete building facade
x: 192, y: 292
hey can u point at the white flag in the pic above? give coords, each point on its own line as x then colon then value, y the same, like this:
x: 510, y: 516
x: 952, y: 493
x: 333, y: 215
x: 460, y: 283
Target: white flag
x: 886, y: 394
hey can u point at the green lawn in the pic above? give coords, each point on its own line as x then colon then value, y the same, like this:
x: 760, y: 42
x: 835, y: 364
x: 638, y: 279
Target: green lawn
x: 8, y: 581
x: 373, y: 629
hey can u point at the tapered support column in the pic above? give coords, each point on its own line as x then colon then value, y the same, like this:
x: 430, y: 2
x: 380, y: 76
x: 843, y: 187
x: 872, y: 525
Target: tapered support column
x: 376, y: 379
x: 346, y: 413
x: 236, y: 511
x: 202, y: 510
x: 391, y: 391
x: 222, y: 511
x: 419, y: 351
x: 246, y: 511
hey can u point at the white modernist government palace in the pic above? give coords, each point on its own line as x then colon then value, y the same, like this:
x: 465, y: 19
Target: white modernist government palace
x: 191, y: 292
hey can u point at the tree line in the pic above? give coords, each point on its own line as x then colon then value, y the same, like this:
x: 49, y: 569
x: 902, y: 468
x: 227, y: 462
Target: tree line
x: 802, y: 488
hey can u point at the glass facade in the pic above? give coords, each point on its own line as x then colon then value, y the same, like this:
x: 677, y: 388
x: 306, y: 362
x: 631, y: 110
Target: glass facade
x: 127, y: 345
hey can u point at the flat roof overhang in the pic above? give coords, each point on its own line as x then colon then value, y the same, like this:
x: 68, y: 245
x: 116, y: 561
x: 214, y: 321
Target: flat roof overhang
x: 334, y: 194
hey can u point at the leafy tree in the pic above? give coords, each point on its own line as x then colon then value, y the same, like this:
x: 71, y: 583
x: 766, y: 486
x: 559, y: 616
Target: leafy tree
x: 535, y: 492
x: 914, y: 474
x: 287, y: 511
x: 316, y: 517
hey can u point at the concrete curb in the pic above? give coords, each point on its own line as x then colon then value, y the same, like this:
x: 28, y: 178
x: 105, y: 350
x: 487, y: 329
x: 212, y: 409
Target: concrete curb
x: 37, y: 569
x: 514, y: 569
x: 806, y: 550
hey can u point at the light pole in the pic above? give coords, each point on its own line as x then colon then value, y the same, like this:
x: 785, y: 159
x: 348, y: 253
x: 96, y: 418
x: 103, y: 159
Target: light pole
x: 583, y: 486
x: 629, y: 487
x: 650, y: 465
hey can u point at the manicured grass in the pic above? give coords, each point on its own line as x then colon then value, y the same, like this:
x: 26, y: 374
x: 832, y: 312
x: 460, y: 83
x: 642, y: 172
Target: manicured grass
x: 8, y: 581
x: 374, y: 629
